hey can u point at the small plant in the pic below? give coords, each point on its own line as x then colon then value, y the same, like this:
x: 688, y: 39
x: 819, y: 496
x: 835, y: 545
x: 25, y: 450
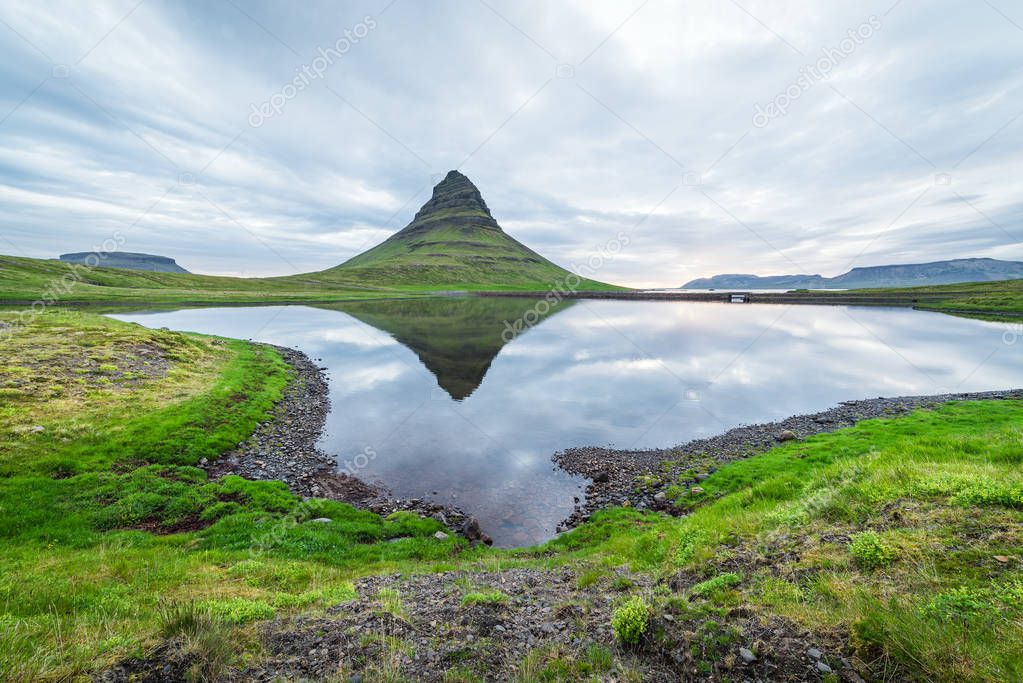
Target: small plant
x: 484, y: 598
x: 390, y: 602
x: 589, y: 578
x: 630, y: 621
x: 959, y: 604
x: 869, y: 552
x: 622, y: 583
x: 599, y: 658
x: 715, y: 585
x: 200, y: 637
x: 238, y: 610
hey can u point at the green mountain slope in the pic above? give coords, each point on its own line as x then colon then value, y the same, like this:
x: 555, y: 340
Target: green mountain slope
x: 454, y: 243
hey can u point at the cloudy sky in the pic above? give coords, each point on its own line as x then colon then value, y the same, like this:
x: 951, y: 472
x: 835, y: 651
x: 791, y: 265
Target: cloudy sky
x: 765, y: 136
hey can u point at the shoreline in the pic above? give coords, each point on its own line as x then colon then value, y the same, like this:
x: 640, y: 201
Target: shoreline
x: 613, y: 473
x: 285, y: 448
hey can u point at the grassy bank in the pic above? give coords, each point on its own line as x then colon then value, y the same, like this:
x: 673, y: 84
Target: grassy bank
x: 108, y: 528
x: 896, y: 539
x: 900, y: 536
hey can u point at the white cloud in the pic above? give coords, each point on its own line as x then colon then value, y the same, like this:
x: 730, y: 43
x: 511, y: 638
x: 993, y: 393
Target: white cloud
x: 657, y: 91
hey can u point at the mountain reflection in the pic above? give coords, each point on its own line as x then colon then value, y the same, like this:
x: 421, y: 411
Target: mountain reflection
x: 456, y: 338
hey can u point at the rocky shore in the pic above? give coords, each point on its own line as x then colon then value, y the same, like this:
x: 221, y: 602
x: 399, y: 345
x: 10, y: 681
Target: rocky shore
x: 284, y: 448
x: 641, y: 478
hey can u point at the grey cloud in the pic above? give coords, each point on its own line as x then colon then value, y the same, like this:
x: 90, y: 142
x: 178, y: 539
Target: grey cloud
x: 565, y: 163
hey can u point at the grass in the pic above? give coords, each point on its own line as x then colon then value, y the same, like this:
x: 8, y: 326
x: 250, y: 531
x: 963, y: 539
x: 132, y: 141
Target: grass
x: 903, y: 535
x: 24, y: 281
x: 104, y: 518
x: 997, y: 299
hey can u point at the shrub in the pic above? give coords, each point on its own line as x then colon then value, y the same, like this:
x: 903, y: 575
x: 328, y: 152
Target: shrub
x: 869, y: 552
x: 630, y: 621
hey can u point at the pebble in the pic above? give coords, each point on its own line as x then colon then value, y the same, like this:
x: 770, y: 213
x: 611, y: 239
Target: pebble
x: 441, y: 536
x: 823, y: 668
x: 747, y: 655
x: 321, y: 520
x: 815, y: 653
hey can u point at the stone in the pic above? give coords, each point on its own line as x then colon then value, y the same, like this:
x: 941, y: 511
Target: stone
x: 601, y: 478
x: 786, y: 435
x: 697, y: 489
x: 441, y: 536
x: 702, y: 477
x: 660, y: 497
x: 38, y: 429
x: 321, y: 520
x: 473, y: 532
x: 1004, y: 559
x: 747, y: 655
x: 823, y: 668
x: 815, y: 653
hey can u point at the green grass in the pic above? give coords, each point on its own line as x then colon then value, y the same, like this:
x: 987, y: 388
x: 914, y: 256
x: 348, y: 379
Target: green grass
x: 997, y: 299
x: 105, y: 521
x: 902, y: 535
x: 24, y: 281
x: 881, y: 531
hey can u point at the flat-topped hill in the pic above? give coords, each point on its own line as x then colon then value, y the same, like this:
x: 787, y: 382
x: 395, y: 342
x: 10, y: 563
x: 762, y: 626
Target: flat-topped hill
x: 125, y: 260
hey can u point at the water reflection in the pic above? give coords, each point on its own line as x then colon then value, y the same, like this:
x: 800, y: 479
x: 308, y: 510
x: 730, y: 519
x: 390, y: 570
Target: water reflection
x: 457, y: 415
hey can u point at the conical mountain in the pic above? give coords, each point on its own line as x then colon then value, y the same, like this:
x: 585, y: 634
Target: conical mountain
x: 454, y: 242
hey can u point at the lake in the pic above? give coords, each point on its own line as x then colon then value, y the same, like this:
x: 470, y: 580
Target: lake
x: 460, y: 409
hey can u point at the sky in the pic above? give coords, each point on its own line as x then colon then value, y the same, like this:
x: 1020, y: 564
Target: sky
x: 671, y: 140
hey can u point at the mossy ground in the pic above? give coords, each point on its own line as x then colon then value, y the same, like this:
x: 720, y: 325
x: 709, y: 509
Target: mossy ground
x: 901, y: 537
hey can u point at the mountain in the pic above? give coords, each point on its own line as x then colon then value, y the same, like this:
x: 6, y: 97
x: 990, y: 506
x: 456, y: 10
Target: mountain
x: 454, y: 242
x: 455, y: 338
x: 910, y: 275
x: 126, y: 260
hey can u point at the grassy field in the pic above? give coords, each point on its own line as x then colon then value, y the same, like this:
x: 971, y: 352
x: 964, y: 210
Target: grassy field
x: 900, y: 537
x: 24, y: 281
x: 995, y: 298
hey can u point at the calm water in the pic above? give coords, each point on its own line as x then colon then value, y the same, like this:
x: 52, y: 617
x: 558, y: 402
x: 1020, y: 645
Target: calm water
x: 456, y: 413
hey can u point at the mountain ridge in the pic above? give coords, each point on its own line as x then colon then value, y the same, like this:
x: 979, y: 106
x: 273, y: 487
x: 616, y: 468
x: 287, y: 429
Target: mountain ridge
x: 125, y: 260
x: 952, y: 271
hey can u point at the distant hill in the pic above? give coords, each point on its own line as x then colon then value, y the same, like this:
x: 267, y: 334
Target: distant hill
x: 453, y: 242
x: 125, y: 259
x: 911, y: 275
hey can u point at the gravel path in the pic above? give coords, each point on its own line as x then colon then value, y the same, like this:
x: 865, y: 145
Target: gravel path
x: 425, y: 628
x: 613, y: 473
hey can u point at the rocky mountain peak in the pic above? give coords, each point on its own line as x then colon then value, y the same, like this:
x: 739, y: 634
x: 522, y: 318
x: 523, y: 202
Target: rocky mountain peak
x: 456, y: 194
